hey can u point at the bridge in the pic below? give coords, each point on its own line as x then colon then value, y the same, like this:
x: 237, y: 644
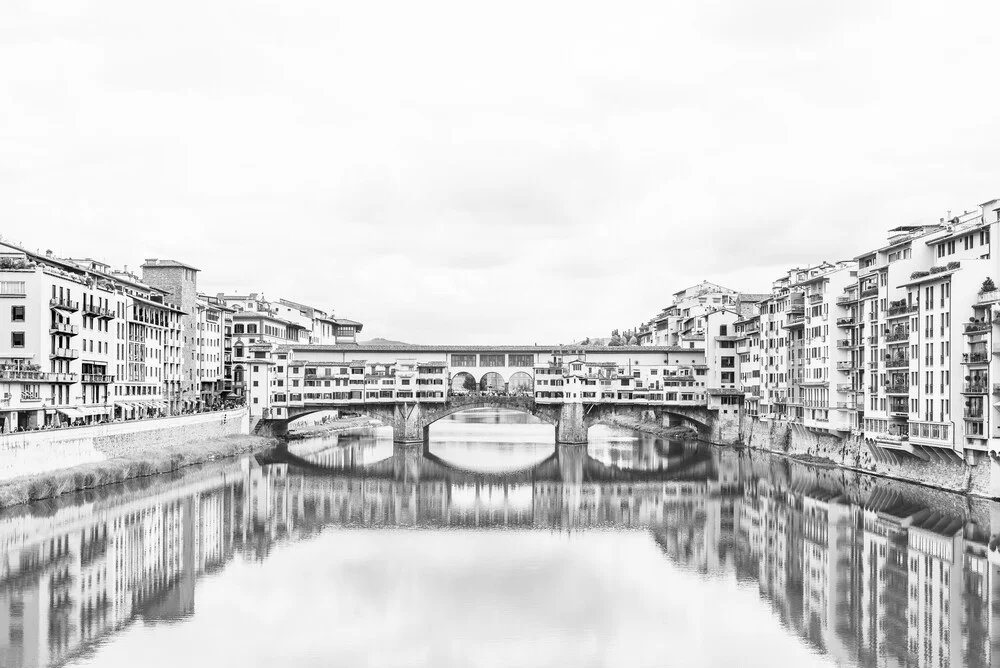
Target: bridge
x: 411, y: 420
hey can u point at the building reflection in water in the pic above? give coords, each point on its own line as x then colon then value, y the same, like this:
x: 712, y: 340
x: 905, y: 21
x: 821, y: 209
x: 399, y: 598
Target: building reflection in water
x: 872, y: 573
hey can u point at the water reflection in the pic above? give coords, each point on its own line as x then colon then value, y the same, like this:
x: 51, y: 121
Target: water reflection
x: 867, y: 572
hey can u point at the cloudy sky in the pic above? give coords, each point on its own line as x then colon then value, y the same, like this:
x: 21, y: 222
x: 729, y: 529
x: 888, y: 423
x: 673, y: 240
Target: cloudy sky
x: 521, y: 172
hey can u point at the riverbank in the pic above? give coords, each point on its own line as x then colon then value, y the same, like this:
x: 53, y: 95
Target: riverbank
x: 978, y: 477
x: 139, y: 462
x: 653, y: 427
x: 333, y: 426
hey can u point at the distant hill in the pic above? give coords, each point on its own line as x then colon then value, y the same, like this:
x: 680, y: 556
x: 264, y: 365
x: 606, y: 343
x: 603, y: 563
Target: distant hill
x: 382, y: 342
x: 595, y: 341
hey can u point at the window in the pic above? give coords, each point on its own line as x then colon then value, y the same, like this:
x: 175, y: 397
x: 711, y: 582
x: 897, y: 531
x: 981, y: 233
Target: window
x: 521, y: 360
x: 17, y: 339
x: 463, y: 360
x: 492, y: 360
x: 17, y: 314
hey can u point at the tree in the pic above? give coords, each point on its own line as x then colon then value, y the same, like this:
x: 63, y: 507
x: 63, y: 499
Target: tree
x: 616, y: 339
x: 988, y: 286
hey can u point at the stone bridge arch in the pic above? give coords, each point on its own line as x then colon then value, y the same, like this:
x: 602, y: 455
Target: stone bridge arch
x: 410, y: 421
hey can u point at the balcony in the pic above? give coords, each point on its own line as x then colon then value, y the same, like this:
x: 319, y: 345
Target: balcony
x: 873, y: 364
x: 844, y: 343
x: 97, y: 378
x: 975, y: 358
x: 977, y: 327
x: 897, y: 361
x: 845, y: 366
x: 98, y: 311
x: 976, y: 388
x: 849, y: 405
x: 844, y: 300
x: 869, y: 292
x: 899, y: 410
x: 63, y: 328
x: 65, y: 353
x: 794, y: 320
x: 973, y: 414
x: 25, y: 376
x: 30, y: 396
x: 989, y: 297
x: 901, y: 335
x: 816, y: 298
x: 64, y: 305
x: 845, y: 387
x: 897, y: 388
x: 903, y: 310
x: 848, y: 321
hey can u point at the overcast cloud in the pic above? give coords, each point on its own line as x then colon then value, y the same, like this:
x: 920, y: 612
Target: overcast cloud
x: 465, y: 172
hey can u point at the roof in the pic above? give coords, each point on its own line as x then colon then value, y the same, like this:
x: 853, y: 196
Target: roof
x: 166, y: 307
x: 754, y: 296
x: 155, y: 263
x: 344, y: 322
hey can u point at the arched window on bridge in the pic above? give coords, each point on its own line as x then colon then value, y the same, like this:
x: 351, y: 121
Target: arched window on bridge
x: 492, y: 382
x: 521, y: 383
x: 463, y: 382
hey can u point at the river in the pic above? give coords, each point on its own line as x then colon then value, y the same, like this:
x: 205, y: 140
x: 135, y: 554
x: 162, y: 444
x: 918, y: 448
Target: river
x: 491, y: 546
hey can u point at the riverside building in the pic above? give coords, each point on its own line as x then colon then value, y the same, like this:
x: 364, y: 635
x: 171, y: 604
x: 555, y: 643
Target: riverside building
x: 81, y: 343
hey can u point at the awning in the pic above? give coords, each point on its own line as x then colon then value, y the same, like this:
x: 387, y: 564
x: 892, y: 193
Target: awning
x: 124, y: 405
x: 71, y: 413
x: 93, y: 410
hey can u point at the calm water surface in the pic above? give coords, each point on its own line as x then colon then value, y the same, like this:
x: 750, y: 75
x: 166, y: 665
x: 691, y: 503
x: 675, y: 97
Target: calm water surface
x: 493, y: 547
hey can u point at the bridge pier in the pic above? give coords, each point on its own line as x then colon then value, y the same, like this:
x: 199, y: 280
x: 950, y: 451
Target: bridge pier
x: 571, y: 427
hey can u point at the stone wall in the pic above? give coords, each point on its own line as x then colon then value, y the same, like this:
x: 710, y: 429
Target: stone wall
x: 34, y: 452
x: 851, y: 452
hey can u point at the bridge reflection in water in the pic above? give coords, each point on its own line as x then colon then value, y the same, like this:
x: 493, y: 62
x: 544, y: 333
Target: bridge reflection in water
x: 870, y: 572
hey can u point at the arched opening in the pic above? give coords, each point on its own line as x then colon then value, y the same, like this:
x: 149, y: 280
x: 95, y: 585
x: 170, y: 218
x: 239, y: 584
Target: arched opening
x: 491, y: 439
x: 492, y: 382
x: 463, y: 383
x: 521, y: 383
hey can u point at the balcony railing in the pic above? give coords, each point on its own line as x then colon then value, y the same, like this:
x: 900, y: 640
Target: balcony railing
x: 98, y: 311
x: 896, y: 361
x: 846, y: 322
x: 977, y: 327
x: 65, y: 353
x: 97, y: 378
x: 63, y: 328
x: 25, y: 376
x: 845, y: 366
x: 975, y: 358
x: 843, y: 343
x: 64, y: 305
x: 902, y: 335
x: 976, y: 388
x: 976, y: 414
x: 988, y: 297
x: 870, y: 292
x: 845, y: 387
x: 897, y: 388
x: 30, y: 396
x: 896, y: 311
x: 816, y: 298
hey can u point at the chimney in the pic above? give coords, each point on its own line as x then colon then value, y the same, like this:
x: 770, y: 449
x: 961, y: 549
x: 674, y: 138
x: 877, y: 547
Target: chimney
x: 48, y: 253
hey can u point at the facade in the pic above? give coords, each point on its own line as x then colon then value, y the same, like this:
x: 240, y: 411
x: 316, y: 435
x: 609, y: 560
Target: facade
x: 290, y: 376
x: 180, y: 282
x: 81, y: 343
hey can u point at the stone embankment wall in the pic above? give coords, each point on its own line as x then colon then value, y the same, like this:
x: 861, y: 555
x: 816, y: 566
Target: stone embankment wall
x: 36, y: 452
x: 852, y: 453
